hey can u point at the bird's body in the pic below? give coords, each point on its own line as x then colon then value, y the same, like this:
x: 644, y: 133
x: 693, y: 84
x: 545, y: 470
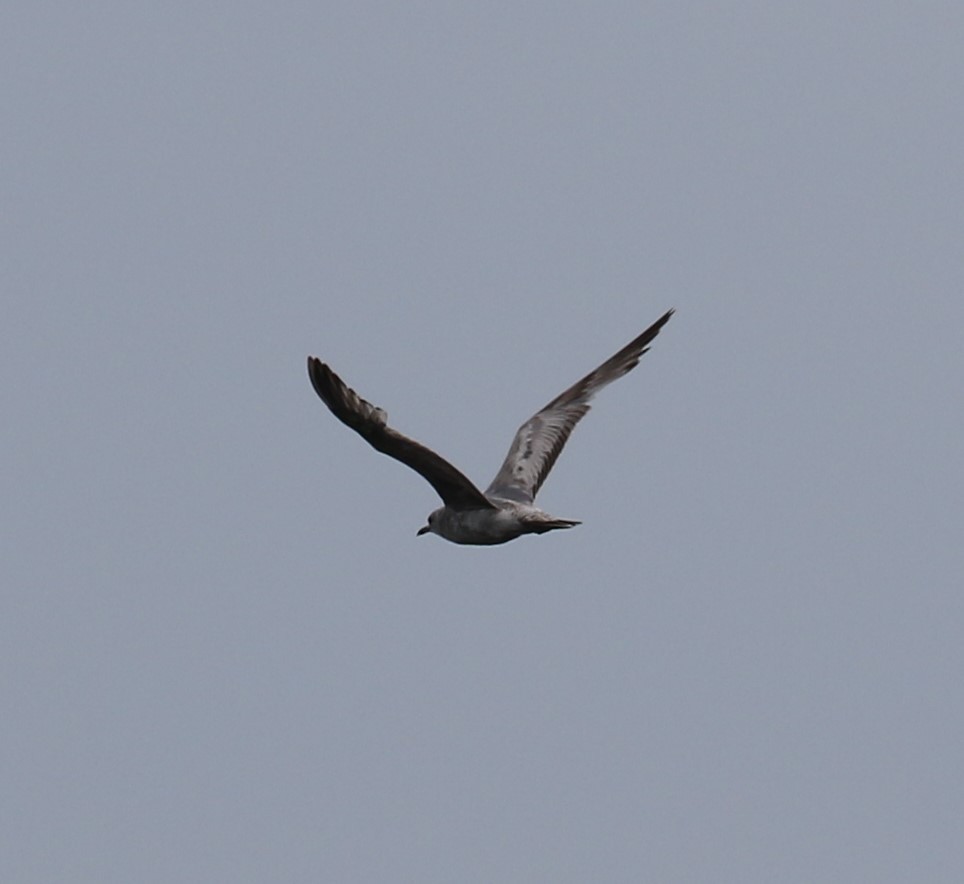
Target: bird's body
x: 506, y: 509
x: 505, y: 521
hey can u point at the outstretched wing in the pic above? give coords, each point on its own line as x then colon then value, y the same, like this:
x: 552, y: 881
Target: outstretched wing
x: 371, y: 424
x: 540, y: 439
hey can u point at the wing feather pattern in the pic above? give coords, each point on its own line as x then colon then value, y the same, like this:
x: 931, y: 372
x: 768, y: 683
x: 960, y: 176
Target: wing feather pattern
x: 540, y: 440
x: 371, y: 423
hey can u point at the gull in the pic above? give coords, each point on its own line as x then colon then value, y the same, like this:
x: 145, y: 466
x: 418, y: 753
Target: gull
x: 506, y: 509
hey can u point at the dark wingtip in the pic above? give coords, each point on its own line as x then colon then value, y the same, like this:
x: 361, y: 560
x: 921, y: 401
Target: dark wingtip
x: 647, y: 336
x: 314, y: 373
x: 320, y: 376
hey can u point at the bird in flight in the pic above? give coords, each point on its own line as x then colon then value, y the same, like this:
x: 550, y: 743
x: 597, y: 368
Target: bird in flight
x: 506, y: 509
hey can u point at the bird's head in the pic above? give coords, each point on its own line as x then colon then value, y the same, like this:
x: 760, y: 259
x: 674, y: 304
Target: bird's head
x: 433, y: 520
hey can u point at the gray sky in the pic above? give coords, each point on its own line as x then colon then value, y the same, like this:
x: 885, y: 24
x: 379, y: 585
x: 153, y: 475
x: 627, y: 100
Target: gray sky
x: 224, y: 654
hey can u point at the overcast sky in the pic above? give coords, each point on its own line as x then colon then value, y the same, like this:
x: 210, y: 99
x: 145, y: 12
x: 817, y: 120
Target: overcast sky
x: 225, y: 656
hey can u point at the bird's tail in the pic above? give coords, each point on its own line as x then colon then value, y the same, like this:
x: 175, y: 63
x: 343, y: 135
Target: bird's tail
x: 542, y: 526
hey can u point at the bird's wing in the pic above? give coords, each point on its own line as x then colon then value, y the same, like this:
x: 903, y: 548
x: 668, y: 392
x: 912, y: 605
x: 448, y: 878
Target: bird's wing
x: 371, y: 424
x: 540, y: 439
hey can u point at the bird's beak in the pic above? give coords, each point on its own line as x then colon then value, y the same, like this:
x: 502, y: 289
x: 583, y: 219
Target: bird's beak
x: 423, y: 530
